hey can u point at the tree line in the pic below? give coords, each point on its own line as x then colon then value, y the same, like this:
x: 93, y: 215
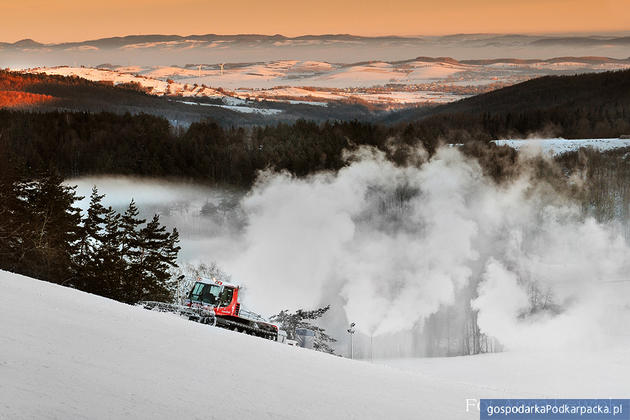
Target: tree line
x: 76, y: 144
x: 44, y: 235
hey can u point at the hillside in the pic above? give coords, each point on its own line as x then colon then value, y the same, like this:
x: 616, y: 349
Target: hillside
x: 45, y: 92
x: 579, y: 91
x: 379, y: 84
x: 81, y: 356
x: 580, y: 106
x: 576, y: 92
x: 68, y: 354
x: 52, y: 92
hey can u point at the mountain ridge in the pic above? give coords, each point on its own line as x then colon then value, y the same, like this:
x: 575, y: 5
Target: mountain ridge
x: 131, y: 39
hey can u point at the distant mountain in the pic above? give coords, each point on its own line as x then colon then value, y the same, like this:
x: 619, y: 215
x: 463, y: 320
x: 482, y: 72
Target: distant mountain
x: 27, y: 43
x: 582, y: 60
x: 583, y: 41
x: 129, y: 40
x: 165, y: 49
x: 482, y: 39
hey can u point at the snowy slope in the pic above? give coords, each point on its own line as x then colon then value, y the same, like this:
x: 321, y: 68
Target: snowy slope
x: 154, y: 86
x: 68, y: 354
x: 75, y: 355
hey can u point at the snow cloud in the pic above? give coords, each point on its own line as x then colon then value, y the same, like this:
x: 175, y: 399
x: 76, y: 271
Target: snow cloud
x: 392, y: 245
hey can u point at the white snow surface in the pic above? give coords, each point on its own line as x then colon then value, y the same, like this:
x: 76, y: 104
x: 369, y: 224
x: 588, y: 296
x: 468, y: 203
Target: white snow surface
x: 558, y: 146
x: 543, y: 374
x: 238, y: 108
x: 68, y: 354
x: 389, y: 84
x: 131, y: 75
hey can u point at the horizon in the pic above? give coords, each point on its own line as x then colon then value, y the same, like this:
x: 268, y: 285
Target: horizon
x: 70, y: 20
x: 570, y: 34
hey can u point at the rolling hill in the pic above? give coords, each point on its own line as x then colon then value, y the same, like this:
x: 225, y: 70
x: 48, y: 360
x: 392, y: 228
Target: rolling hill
x: 44, y: 92
x: 583, y: 91
x: 593, y: 105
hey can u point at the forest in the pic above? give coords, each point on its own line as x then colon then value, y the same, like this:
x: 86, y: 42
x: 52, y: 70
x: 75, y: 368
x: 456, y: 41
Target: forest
x: 44, y: 235
x: 586, y: 93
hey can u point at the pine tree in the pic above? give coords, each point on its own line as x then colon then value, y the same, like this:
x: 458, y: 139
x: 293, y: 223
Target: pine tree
x: 108, y: 262
x: 129, y: 223
x: 13, y: 216
x: 131, y: 253
x: 289, y: 322
x: 54, y: 235
x: 91, y: 241
x: 158, y: 254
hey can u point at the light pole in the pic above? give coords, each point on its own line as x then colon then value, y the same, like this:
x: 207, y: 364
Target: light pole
x: 351, y: 332
x: 371, y: 348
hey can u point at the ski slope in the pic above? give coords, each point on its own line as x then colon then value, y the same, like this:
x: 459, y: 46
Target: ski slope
x: 67, y: 354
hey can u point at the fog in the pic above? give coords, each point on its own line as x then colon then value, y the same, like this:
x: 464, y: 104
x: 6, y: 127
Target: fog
x: 390, y: 246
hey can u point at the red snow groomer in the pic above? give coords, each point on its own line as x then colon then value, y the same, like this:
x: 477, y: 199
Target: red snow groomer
x: 217, y: 303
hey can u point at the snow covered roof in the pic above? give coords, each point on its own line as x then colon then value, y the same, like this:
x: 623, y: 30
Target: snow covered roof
x: 215, y: 281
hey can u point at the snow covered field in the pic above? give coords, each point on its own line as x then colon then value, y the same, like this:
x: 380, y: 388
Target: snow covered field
x: 154, y: 86
x: 397, y: 83
x: 558, y: 146
x: 238, y: 108
x: 277, y: 81
x: 67, y: 354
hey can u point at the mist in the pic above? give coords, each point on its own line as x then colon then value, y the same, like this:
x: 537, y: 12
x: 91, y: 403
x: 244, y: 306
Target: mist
x: 389, y: 247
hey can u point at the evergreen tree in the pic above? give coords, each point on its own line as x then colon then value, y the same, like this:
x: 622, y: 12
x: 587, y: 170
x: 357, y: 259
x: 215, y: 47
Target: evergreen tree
x: 54, y: 235
x: 109, y: 263
x: 42, y: 235
x: 91, y: 241
x: 157, y: 255
x: 13, y: 216
x: 130, y: 252
x: 129, y: 224
x: 289, y: 322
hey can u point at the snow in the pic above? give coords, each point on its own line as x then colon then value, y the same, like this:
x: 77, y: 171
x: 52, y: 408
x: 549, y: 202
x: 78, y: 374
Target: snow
x: 415, y: 81
x: 549, y: 374
x: 131, y: 75
x: 557, y: 146
x: 239, y: 108
x: 229, y: 100
x: 157, y: 86
x: 248, y: 110
x: 293, y: 102
x: 68, y: 354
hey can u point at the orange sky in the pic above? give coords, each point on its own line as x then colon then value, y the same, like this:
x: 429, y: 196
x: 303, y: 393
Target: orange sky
x: 76, y: 20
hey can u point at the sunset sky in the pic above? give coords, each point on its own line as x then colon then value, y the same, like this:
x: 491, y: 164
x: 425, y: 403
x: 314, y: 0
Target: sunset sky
x: 77, y: 20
